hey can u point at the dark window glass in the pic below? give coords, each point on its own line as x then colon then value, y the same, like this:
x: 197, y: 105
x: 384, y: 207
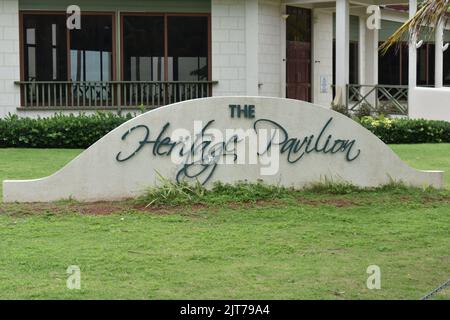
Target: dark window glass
x: 354, y: 63
x: 45, y: 47
x: 389, y: 67
x: 405, y: 64
x: 431, y: 59
x: 91, y: 49
x: 143, y: 48
x: 188, y: 48
x: 447, y: 67
x: 298, y: 24
x: 422, y: 72
x: 425, y: 65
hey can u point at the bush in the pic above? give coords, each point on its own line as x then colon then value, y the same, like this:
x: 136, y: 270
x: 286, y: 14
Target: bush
x: 408, y: 131
x: 364, y: 110
x: 60, y: 131
x: 341, y: 109
x: 81, y: 131
x: 169, y: 193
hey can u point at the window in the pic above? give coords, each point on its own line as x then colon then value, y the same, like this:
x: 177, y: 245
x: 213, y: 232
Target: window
x: 447, y: 68
x: 143, y: 62
x: 393, y: 66
x: 298, y: 24
x: 46, y: 41
x: 187, y: 48
x: 425, y: 65
x: 177, y: 47
x: 44, y: 47
x: 390, y: 66
x: 64, y: 67
x: 91, y: 49
x: 354, y: 63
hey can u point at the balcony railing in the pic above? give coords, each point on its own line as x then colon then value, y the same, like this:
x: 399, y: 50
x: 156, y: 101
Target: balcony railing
x: 109, y: 95
x: 387, y: 99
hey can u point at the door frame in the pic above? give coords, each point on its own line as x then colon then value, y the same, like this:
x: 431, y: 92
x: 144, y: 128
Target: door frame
x: 284, y: 49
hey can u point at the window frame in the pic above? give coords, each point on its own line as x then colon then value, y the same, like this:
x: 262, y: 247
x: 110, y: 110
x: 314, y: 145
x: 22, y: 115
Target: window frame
x: 165, y: 16
x: 22, y: 13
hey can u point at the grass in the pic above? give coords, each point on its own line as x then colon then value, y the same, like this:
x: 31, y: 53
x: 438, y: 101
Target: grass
x: 297, y: 245
x: 426, y: 157
x: 32, y: 163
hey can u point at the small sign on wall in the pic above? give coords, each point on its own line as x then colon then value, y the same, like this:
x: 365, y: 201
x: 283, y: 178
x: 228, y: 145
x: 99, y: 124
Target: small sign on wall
x: 323, y: 84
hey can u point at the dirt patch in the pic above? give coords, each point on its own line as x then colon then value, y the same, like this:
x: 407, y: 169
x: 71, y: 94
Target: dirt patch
x: 109, y: 208
x: 251, y: 204
x: 160, y: 210
x: 99, y: 208
x: 338, y: 203
x: 427, y: 200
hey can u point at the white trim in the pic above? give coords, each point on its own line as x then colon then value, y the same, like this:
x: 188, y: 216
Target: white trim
x: 439, y: 55
x: 251, y: 44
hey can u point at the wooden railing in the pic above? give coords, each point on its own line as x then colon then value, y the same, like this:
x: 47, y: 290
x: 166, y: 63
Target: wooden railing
x: 104, y: 95
x: 391, y: 99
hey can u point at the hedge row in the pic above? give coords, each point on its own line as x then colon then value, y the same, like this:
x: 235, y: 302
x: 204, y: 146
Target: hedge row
x: 60, y: 131
x: 408, y: 131
x: 81, y: 131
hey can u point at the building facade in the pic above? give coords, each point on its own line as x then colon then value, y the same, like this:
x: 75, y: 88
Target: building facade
x: 135, y: 54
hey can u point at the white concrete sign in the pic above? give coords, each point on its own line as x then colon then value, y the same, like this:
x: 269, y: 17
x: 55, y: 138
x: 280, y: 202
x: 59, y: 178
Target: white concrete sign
x: 227, y: 139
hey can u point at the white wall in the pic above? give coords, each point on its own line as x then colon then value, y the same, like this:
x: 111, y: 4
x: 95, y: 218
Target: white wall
x: 429, y: 103
x: 269, y: 53
x: 322, y: 60
x: 246, y: 46
x: 9, y: 56
x: 228, y: 47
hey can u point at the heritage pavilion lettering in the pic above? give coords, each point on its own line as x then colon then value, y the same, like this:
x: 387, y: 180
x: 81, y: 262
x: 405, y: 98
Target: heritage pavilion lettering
x: 296, y: 148
x: 201, y: 156
x: 238, y: 111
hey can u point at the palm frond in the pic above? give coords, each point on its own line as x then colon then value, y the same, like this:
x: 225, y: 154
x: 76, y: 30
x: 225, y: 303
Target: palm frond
x: 423, y: 23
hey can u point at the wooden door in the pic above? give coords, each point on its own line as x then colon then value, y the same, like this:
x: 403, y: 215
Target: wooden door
x: 298, y: 46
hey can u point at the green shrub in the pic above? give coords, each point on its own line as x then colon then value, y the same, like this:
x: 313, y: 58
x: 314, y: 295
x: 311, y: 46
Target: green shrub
x: 364, y: 110
x: 407, y: 131
x: 81, y: 131
x: 341, y: 109
x: 170, y: 193
x: 59, y: 131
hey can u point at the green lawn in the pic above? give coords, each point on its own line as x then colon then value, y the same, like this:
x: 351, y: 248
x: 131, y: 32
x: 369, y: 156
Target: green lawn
x: 305, y: 246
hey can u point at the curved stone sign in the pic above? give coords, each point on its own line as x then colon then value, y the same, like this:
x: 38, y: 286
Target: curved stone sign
x: 227, y: 139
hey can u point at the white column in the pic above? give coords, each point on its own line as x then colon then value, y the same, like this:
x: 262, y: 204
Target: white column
x: 369, y: 40
x: 439, y: 55
x: 251, y: 44
x: 362, y: 50
x: 371, y: 63
x: 342, y: 47
x: 9, y: 57
x: 412, y: 49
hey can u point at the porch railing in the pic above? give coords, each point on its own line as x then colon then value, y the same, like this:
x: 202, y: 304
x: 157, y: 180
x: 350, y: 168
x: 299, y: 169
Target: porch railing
x: 387, y: 99
x: 115, y: 94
